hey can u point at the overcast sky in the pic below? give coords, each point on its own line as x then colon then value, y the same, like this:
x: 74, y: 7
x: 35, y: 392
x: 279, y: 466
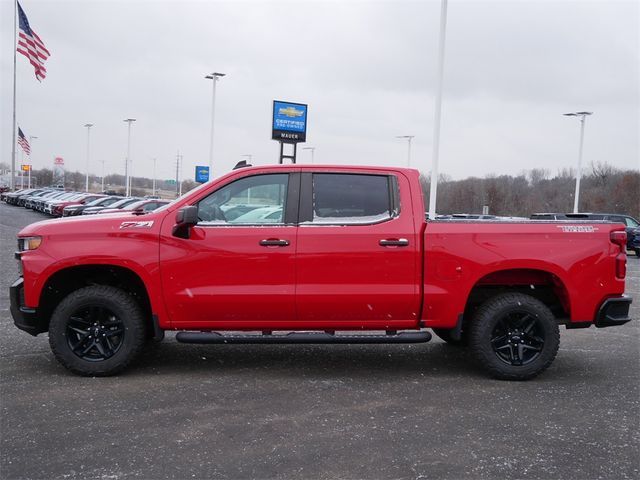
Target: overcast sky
x: 366, y: 69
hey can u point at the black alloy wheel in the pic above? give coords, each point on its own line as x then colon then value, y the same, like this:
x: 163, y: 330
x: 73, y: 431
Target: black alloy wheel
x: 518, y: 338
x: 95, y: 333
x: 97, y: 330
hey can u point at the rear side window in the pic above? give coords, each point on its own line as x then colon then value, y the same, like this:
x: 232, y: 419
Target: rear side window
x: 353, y: 199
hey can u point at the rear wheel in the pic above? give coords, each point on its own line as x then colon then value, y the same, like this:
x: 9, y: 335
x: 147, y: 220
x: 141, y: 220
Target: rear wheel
x: 514, y: 336
x: 97, y: 331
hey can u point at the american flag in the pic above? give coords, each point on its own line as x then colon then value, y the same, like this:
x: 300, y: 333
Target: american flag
x: 31, y: 46
x: 23, y: 142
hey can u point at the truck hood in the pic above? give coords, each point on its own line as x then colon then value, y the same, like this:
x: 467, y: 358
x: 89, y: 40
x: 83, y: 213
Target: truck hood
x: 90, y: 224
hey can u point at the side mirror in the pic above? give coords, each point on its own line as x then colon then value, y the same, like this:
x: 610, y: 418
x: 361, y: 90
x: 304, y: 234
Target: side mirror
x: 186, y: 218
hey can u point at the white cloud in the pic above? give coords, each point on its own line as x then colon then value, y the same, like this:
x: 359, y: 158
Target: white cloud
x: 366, y: 69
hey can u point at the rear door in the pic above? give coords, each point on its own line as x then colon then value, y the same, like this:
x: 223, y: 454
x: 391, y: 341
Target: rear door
x: 357, y: 253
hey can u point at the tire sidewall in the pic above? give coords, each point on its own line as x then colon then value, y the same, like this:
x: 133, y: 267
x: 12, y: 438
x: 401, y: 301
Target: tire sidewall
x: 487, y: 319
x: 113, y: 299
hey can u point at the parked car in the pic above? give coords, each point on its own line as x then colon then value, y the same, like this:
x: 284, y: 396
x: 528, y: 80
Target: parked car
x: 13, y: 197
x: 466, y: 216
x: 628, y: 221
x: 74, y: 210
x: 123, y: 202
x: 39, y: 203
x: 231, y: 212
x: 29, y: 199
x: 141, y: 206
x: 635, y: 241
x: 50, y: 205
x: 81, y: 199
x: 20, y: 202
x: 260, y: 215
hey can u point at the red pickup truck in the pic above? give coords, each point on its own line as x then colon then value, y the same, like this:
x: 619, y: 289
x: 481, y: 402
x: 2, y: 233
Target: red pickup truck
x: 310, y: 254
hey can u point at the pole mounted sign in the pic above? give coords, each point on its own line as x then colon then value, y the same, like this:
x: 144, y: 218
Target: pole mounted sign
x: 289, y: 122
x: 202, y: 174
x: 289, y: 125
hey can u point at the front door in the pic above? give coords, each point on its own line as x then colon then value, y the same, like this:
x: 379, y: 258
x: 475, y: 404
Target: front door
x: 237, y: 268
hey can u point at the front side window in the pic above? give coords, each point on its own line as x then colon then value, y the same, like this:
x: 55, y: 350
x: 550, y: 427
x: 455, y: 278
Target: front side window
x: 352, y: 199
x: 255, y: 200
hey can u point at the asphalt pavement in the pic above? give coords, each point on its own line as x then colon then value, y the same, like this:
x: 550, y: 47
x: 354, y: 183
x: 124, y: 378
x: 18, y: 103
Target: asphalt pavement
x: 317, y: 411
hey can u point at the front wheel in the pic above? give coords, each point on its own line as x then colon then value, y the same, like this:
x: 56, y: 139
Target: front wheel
x: 514, y: 336
x: 97, y: 331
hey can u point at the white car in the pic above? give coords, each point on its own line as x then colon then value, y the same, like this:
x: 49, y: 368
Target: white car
x: 261, y: 215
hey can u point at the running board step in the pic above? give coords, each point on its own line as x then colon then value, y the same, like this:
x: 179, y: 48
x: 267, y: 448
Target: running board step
x: 298, y: 337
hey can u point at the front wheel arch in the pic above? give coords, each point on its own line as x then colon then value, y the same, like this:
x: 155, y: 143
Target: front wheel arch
x: 64, y: 282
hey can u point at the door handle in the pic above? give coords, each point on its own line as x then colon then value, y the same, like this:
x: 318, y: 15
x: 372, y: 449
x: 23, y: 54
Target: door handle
x: 274, y: 242
x: 394, y: 242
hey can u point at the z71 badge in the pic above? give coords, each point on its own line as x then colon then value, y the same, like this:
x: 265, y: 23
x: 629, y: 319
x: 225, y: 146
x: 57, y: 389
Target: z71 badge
x: 578, y: 228
x: 147, y: 224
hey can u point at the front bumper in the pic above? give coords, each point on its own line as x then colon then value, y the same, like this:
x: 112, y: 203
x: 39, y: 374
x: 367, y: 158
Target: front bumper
x: 613, y: 312
x: 23, y: 317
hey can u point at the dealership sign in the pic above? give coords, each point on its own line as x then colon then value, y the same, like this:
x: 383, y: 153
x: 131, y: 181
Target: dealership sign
x: 289, y: 122
x: 202, y: 174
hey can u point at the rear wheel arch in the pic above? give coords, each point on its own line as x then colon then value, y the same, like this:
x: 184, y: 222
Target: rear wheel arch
x: 542, y: 285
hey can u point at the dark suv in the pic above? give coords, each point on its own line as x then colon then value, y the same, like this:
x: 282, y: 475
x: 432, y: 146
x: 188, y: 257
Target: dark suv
x: 629, y: 223
x: 634, y: 241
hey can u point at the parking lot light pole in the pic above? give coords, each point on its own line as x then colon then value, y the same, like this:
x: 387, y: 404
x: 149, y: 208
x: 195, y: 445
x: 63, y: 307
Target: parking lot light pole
x: 409, y: 138
x: 153, y: 191
x: 127, y: 186
x: 433, y: 193
x: 582, y: 116
x: 214, y: 77
x: 86, y: 181
x: 102, y: 161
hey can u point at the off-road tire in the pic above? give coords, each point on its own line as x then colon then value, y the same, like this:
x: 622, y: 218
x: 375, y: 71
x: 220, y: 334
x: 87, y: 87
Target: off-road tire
x: 118, y: 317
x: 516, y: 312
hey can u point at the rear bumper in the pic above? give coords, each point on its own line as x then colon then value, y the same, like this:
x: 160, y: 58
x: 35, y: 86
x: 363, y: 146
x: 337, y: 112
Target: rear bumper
x: 23, y: 317
x: 613, y: 312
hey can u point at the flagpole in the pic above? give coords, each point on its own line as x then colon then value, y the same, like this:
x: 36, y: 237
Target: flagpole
x: 13, y: 136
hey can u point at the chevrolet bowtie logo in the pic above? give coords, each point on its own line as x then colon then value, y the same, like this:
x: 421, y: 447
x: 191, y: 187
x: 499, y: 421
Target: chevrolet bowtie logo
x: 290, y: 112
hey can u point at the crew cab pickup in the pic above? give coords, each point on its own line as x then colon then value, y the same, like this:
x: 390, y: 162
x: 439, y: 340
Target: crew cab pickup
x: 315, y: 254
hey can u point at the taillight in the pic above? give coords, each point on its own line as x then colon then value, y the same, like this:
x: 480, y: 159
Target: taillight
x: 619, y: 237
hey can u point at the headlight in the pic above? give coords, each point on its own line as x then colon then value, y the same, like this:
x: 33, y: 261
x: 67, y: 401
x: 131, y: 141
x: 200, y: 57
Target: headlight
x: 28, y: 243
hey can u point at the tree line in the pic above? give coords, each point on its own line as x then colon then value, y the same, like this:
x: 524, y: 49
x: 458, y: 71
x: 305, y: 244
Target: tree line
x: 603, y: 188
